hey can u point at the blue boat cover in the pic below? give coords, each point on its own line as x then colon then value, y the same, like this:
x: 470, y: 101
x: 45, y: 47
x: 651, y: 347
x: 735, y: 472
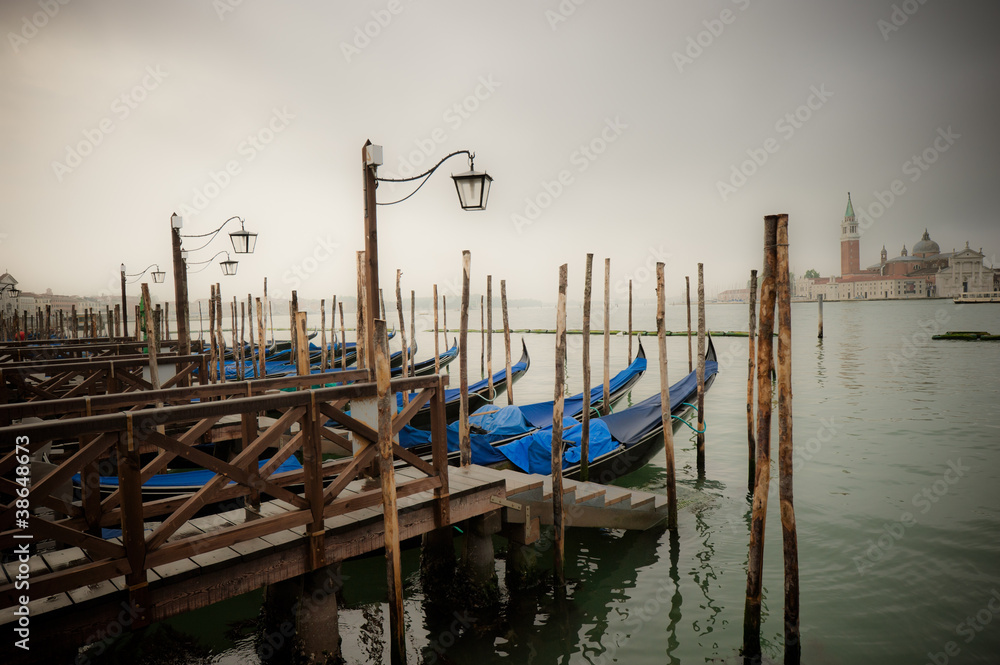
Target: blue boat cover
x: 188, y: 479
x: 630, y: 425
x: 533, y: 453
x: 540, y: 414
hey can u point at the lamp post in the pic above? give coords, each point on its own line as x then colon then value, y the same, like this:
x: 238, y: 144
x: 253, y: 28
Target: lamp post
x: 244, y: 242
x: 473, y: 189
x: 157, y: 275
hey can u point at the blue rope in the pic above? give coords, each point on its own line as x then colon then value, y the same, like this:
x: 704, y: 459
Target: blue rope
x: 702, y: 431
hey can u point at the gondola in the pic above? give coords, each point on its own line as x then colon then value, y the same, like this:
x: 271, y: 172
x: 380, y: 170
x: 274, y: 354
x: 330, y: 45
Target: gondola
x: 620, y: 443
x: 426, y: 367
x: 479, y: 393
x: 495, y: 425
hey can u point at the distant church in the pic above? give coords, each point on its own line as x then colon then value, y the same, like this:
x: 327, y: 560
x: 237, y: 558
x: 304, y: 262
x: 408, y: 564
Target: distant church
x: 924, y: 273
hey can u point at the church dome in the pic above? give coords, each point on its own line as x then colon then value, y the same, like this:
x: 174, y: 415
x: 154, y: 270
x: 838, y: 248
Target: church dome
x: 926, y: 246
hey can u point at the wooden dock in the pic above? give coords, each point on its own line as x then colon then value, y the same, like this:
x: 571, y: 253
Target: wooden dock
x: 268, y: 527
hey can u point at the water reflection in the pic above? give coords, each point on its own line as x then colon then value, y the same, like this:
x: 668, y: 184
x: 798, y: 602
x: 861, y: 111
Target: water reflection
x: 675, y: 600
x: 820, y: 364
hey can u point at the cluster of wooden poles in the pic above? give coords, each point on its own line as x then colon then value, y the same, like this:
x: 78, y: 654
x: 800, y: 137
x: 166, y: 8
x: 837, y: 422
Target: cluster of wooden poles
x: 774, y: 290
x: 89, y: 322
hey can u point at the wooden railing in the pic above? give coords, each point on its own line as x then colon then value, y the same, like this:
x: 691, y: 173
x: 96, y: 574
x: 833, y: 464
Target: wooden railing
x: 47, y: 380
x: 64, y: 349
x: 119, y: 437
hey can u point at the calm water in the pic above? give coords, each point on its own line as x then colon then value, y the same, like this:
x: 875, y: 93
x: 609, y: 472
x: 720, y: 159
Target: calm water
x: 897, y: 498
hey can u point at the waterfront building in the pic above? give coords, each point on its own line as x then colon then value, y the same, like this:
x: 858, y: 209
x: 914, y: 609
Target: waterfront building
x: 924, y: 272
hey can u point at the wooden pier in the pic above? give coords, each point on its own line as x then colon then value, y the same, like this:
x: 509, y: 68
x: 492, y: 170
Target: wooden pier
x: 265, y: 527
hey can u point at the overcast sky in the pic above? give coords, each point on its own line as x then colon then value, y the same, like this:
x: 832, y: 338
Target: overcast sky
x: 639, y: 131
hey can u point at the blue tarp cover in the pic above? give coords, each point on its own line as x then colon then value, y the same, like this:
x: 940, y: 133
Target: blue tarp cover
x: 630, y: 425
x: 533, y: 453
x: 193, y: 478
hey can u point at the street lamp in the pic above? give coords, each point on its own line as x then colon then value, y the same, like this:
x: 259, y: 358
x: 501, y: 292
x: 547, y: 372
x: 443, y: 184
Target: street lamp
x: 243, y: 241
x: 158, y: 276
x: 473, y: 189
x: 12, y: 290
x: 228, y: 266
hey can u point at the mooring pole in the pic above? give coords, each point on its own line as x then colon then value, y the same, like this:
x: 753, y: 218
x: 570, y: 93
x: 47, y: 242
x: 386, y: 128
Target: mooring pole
x: 402, y: 332
x: 370, y: 256
x: 489, y: 334
x: 701, y: 370
x: 585, y: 433
x: 557, y: 417
x: 751, y: 443
x: 437, y: 349
x: 125, y: 302
x: 606, y: 400
x: 343, y: 338
x: 387, y: 479
x: 361, y: 335
x: 630, y: 322
x: 665, y: 408
x: 790, y: 546
x: 506, y: 339
x: 687, y: 287
x: 751, y: 614
x: 465, y: 445
x: 819, y: 300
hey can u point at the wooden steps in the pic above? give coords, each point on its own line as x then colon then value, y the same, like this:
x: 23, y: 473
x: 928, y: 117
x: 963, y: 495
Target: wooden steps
x: 585, y: 504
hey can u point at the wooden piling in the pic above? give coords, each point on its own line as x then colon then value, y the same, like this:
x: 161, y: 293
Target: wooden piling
x: 506, y: 340
x: 361, y: 337
x: 381, y: 300
x: 482, y: 338
x: 394, y: 579
x: 606, y: 400
x: 585, y: 432
x: 687, y: 288
x: 242, y: 347
x: 557, y: 417
x: 343, y: 337
x: 751, y: 366
x: 166, y: 320
x: 413, y: 329
x: 701, y: 370
x: 751, y: 614
x: 630, y: 322
x: 666, y: 416
x: 153, y: 346
x: 322, y: 334
x: 437, y: 351
x: 444, y: 318
x: 301, y: 338
x: 236, y: 349
x: 254, y: 350
x: 118, y: 320
x: 790, y: 545
x: 489, y: 335
x: 819, y: 301
x: 333, y: 335
x: 465, y: 445
x: 402, y: 332
x: 218, y: 333
x: 262, y: 346
x: 213, y: 365
x: 293, y: 310
x: 201, y: 323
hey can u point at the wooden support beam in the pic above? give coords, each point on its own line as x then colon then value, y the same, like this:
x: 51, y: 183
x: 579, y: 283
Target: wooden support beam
x: 687, y: 289
x: 701, y: 370
x: 751, y: 362
x: 557, y: 416
x: 665, y: 406
x: 437, y: 350
x: 755, y: 564
x: 394, y: 580
x: 606, y: 400
x: 465, y: 445
x: 506, y: 340
x: 585, y: 434
x: 790, y: 545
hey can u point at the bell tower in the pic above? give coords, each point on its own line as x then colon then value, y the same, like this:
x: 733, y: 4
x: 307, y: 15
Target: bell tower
x: 850, y: 241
